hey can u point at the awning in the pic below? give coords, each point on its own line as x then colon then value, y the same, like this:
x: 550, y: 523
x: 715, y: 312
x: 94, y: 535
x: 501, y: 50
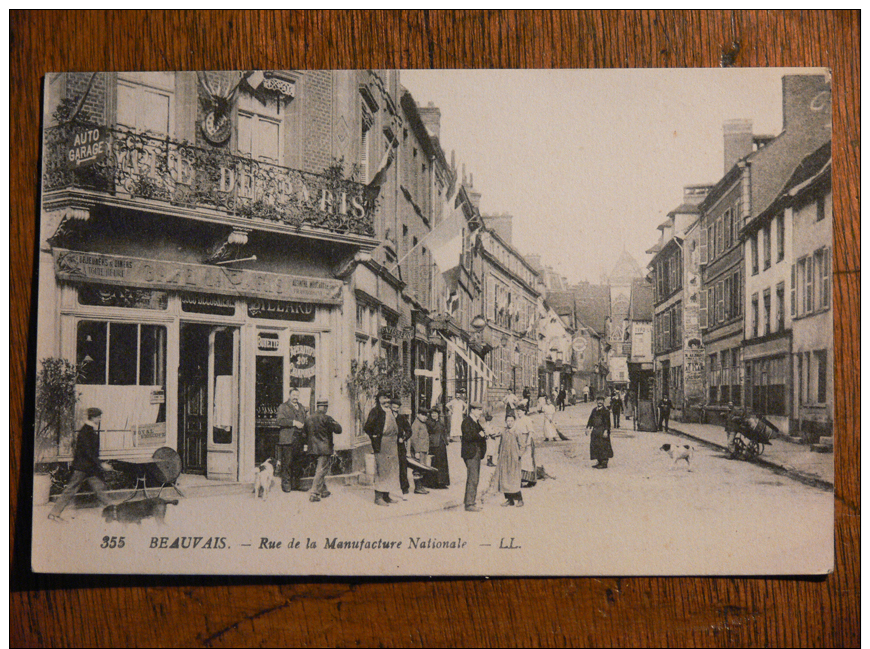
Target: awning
x: 474, y: 362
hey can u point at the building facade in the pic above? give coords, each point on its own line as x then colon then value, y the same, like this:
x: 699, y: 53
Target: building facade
x: 198, y: 230
x: 510, y: 307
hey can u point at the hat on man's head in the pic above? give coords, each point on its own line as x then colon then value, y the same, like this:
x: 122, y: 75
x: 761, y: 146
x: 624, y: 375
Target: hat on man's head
x: 381, y: 394
x: 423, y: 412
x: 475, y: 406
x: 323, y: 402
x: 395, y: 402
x: 94, y: 412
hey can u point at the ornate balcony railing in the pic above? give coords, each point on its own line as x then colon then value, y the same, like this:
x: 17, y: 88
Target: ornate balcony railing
x: 133, y: 165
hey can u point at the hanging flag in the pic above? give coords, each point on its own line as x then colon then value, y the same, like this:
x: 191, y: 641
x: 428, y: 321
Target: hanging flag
x: 445, y: 240
x: 380, y: 176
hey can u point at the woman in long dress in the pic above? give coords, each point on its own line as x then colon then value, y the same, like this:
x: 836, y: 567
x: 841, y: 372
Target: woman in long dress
x: 510, y: 451
x: 549, y: 424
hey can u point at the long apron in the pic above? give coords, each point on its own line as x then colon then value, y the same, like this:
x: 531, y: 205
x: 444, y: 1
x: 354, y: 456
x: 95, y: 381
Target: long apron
x: 387, y: 460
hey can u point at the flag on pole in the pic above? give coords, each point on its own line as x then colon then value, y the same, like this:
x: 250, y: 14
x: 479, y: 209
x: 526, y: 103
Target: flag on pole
x: 380, y: 176
x: 445, y: 240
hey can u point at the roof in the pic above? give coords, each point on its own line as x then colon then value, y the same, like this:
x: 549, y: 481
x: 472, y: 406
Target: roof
x: 807, y: 169
x: 686, y: 208
x: 592, y: 305
x: 624, y: 270
x: 641, y: 303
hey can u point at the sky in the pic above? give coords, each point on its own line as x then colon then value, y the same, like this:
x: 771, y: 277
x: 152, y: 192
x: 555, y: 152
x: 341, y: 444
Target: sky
x: 589, y: 162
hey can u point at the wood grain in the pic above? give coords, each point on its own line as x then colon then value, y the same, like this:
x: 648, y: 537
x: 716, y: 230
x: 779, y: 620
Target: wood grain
x: 50, y: 611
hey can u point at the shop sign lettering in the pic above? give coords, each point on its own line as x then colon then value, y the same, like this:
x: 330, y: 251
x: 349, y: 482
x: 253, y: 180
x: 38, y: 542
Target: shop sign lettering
x: 268, y: 342
x: 396, y: 333
x: 86, y: 147
x: 151, y: 434
x: 302, y: 361
x: 274, y: 309
x: 148, y: 273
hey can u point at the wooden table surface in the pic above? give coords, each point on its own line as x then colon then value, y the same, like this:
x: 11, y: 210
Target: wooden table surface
x: 137, y: 611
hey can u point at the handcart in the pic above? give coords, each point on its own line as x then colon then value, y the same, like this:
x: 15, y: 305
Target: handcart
x: 751, y: 434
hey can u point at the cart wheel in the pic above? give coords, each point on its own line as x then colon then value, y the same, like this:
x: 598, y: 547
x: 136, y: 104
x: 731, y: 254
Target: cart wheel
x: 738, y: 448
x: 754, y: 449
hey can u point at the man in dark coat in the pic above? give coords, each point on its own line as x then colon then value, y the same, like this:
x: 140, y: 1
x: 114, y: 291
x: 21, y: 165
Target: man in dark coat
x: 665, y: 406
x: 291, y: 440
x: 473, y: 451
x: 383, y: 432
x: 439, y: 437
x: 86, y: 466
x: 560, y: 400
x: 404, y: 422
x: 616, y: 409
x: 527, y: 398
x: 319, y: 429
x: 600, y: 449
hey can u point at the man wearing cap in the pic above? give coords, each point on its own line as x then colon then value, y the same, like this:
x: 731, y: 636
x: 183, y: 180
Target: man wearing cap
x: 473, y: 451
x: 383, y: 432
x: 86, y: 466
x: 319, y: 429
x: 291, y: 439
x: 420, y: 447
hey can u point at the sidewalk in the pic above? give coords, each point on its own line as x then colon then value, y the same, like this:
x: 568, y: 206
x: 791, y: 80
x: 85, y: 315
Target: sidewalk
x: 795, y: 459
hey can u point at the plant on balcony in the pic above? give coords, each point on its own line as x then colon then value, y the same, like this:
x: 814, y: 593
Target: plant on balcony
x: 367, y: 379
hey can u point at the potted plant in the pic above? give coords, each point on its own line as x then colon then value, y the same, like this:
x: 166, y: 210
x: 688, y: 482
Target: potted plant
x: 56, y: 399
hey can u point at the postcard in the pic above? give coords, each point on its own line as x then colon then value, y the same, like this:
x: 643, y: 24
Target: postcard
x: 454, y: 322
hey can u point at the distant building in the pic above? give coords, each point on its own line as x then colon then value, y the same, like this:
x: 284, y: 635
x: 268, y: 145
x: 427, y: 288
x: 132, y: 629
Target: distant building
x: 619, y: 281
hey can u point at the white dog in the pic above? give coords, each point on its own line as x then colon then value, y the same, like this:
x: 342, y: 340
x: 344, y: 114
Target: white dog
x: 264, y: 478
x: 679, y: 452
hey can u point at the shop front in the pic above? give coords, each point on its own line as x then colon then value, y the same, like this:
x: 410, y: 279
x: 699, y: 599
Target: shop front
x: 193, y: 357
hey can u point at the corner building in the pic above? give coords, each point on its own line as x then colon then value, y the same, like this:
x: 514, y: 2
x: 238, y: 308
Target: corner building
x: 203, y: 237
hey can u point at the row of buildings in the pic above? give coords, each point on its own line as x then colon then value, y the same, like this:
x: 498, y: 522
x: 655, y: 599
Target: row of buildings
x: 211, y: 240
x: 742, y: 277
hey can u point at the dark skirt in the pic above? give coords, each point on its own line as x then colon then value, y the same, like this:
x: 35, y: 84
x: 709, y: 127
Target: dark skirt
x: 599, y: 445
x: 441, y: 478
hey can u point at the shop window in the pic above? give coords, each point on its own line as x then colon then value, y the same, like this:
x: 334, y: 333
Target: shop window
x: 115, y: 353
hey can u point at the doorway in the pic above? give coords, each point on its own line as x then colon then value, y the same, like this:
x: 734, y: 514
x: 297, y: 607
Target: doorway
x: 208, y: 399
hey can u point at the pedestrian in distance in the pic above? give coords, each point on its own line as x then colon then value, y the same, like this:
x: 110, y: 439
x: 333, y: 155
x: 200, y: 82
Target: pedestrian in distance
x: 420, y: 447
x: 319, y: 429
x: 291, y: 441
x: 527, y: 399
x: 458, y: 409
x: 383, y: 431
x: 86, y: 466
x: 473, y: 451
x: 616, y: 409
x: 585, y: 394
x: 549, y: 411
x: 439, y: 438
x: 665, y: 406
x: 510, y: 452
x: 600, y: 449
x: 510, y: 403
x: 403, y: 420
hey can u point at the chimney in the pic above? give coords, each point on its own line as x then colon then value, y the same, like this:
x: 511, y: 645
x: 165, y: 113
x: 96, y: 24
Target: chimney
x: 737, y: 139
x: 502, y: 225
x: 431, y: 117
x: 806, y: 102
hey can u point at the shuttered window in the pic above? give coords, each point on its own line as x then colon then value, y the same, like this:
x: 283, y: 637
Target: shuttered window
x: 809, y: 290
x: 703, y: 246
x: 824, y: 270
x: 702, y: 295
x: 792, y: 296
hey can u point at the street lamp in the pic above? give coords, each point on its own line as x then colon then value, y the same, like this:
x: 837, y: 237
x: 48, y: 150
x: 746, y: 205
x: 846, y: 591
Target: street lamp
x: 516, y: 365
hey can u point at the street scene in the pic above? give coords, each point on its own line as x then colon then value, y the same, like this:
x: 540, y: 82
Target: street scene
x: 385, y: 322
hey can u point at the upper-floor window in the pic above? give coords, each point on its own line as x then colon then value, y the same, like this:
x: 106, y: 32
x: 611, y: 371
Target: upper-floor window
x: 260, y: 129
x: 766, y: 315
x: 820, y: 208
x: 780, y: 237
x: 144, y: 102
x: 780, y: 306
x: 753, y: 251
x: 766, y: 231
x: 753, y: 327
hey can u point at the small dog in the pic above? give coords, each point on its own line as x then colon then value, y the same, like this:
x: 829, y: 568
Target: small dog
x: 265, y: 478
x: 679, y: 452
x: 135, y: 511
